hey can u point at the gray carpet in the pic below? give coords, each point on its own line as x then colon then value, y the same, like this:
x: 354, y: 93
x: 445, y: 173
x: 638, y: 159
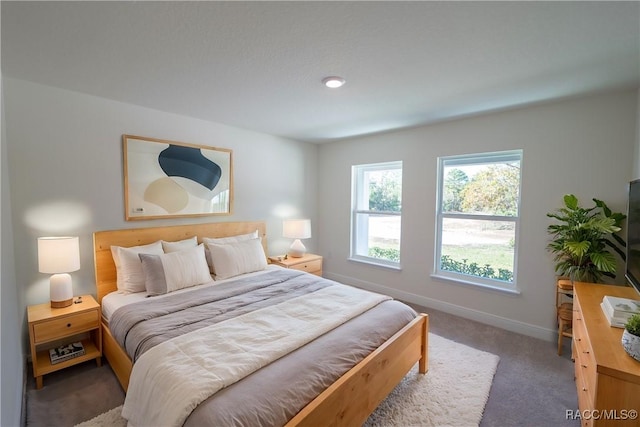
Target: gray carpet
x: 72, y: 395
x: 533, y: 386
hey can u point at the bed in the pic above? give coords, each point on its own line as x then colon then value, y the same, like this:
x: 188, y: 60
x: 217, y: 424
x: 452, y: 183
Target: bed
x: 347, y: 400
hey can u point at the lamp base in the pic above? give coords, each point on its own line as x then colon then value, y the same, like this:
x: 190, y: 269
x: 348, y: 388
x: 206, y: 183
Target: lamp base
x: 297, y: 249
x: 61, y: 304
x: 61, y: 290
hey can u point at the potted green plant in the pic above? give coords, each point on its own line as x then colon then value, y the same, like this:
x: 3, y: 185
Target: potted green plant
x: 582, y: 239
x: 631, y: 336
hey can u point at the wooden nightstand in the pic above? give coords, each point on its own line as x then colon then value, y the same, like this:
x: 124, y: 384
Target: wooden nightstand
x: 308, y: 262
x: 51, y: 327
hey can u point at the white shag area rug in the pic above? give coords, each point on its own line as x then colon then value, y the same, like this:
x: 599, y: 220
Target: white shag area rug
x: 452, y: 394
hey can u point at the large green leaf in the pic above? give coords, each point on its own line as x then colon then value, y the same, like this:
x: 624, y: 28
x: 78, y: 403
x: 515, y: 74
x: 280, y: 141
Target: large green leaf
x: 571, y: 201
x: 603, y: 225
x: 604, y: 261
x: 579, y: 249
x: 603, y: 206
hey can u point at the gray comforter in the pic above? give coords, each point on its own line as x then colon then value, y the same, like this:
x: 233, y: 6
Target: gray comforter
x: 275, y: 393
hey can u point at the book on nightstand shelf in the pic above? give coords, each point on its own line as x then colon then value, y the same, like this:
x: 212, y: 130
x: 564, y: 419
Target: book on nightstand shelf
x: 66, y: 352
x: 618, y: 310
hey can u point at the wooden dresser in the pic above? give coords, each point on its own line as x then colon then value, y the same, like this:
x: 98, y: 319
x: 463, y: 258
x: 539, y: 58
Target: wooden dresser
x: 607, y: 378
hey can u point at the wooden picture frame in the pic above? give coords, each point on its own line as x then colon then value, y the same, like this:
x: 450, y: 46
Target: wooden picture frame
x: 171, y: 179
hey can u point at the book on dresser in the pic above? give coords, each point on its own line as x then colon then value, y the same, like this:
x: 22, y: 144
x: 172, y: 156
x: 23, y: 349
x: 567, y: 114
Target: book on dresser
x: 66, y: 352
x: 622, y: 306
x: 618, y: 310
x: 617, y: 322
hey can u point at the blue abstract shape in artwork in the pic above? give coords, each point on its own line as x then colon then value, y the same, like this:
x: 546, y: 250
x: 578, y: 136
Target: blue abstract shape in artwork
x: 188, y: 162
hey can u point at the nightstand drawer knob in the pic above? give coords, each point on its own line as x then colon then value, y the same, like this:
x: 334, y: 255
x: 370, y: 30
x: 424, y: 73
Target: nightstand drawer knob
x: 68, y: 325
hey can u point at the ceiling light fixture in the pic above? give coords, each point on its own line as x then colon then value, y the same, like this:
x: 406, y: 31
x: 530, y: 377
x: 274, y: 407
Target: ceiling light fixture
x: 333, y: 82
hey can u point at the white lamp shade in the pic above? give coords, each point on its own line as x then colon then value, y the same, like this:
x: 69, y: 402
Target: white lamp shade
x: 296, y: 228
x: 58, y: 254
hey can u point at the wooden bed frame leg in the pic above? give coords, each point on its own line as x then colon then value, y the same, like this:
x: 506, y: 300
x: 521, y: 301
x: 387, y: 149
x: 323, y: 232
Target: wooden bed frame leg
x: 423, y: 364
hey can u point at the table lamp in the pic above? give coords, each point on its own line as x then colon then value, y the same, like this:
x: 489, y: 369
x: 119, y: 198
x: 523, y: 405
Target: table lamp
x: 59, y: 256
x: 296, y: 229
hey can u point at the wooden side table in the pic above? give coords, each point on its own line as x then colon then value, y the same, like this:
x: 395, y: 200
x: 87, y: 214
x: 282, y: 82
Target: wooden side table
x: 564, y: 310
x: 51, y: 327
x: 310, y: 263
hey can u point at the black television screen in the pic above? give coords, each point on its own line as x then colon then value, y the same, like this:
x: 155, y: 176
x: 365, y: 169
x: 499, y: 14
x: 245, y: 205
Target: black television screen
x: 632, y: 270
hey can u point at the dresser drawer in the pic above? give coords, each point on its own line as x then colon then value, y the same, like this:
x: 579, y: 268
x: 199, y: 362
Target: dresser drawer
x: 65, y: 326
x: 580, y: 336
x: 585, y: 364
x: 586, y: 375
x: 309, y: 267
x: 585, y: 403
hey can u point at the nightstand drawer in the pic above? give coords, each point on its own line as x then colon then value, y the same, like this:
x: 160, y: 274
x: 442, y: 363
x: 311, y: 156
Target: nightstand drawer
x: 65, y: 326
x: 309, y: 263
x: 309, y: 267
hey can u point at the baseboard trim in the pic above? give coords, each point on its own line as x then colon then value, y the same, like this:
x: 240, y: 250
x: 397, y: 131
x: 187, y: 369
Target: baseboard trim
x: 457, y: 310
x: 23, y: 409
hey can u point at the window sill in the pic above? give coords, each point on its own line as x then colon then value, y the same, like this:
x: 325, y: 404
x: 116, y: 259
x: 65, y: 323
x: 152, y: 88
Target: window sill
x: 512, y: 291
x: 376, y: 264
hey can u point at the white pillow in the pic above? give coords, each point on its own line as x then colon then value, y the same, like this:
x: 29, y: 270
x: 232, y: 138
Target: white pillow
x: 180, y: 245
x: 224, y: 240
x: 130, y: 277
x: 232, y: 259
x: 230, y: 239
x: 176, y: 270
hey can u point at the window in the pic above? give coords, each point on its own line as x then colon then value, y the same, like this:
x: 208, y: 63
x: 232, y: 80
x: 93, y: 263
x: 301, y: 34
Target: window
x: 376, y: 213
x: 477, y: 218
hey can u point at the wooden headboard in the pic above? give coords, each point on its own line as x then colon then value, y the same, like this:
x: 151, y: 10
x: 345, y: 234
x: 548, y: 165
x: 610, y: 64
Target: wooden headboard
x: 103, y: 240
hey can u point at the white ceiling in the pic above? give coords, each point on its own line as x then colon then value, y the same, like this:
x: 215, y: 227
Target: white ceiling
x: 258, y: 65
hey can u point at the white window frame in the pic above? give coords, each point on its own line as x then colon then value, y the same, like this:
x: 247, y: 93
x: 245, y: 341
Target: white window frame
x: 473, y: 159
x: 359, y: 198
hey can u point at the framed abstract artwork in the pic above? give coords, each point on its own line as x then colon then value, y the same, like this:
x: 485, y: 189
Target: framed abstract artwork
x: 169, y: 179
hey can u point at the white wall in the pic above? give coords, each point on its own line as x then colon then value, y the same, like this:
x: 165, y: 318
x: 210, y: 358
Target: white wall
x: 12, y: 346
x: 581, y: 146
x: 65, y: 167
